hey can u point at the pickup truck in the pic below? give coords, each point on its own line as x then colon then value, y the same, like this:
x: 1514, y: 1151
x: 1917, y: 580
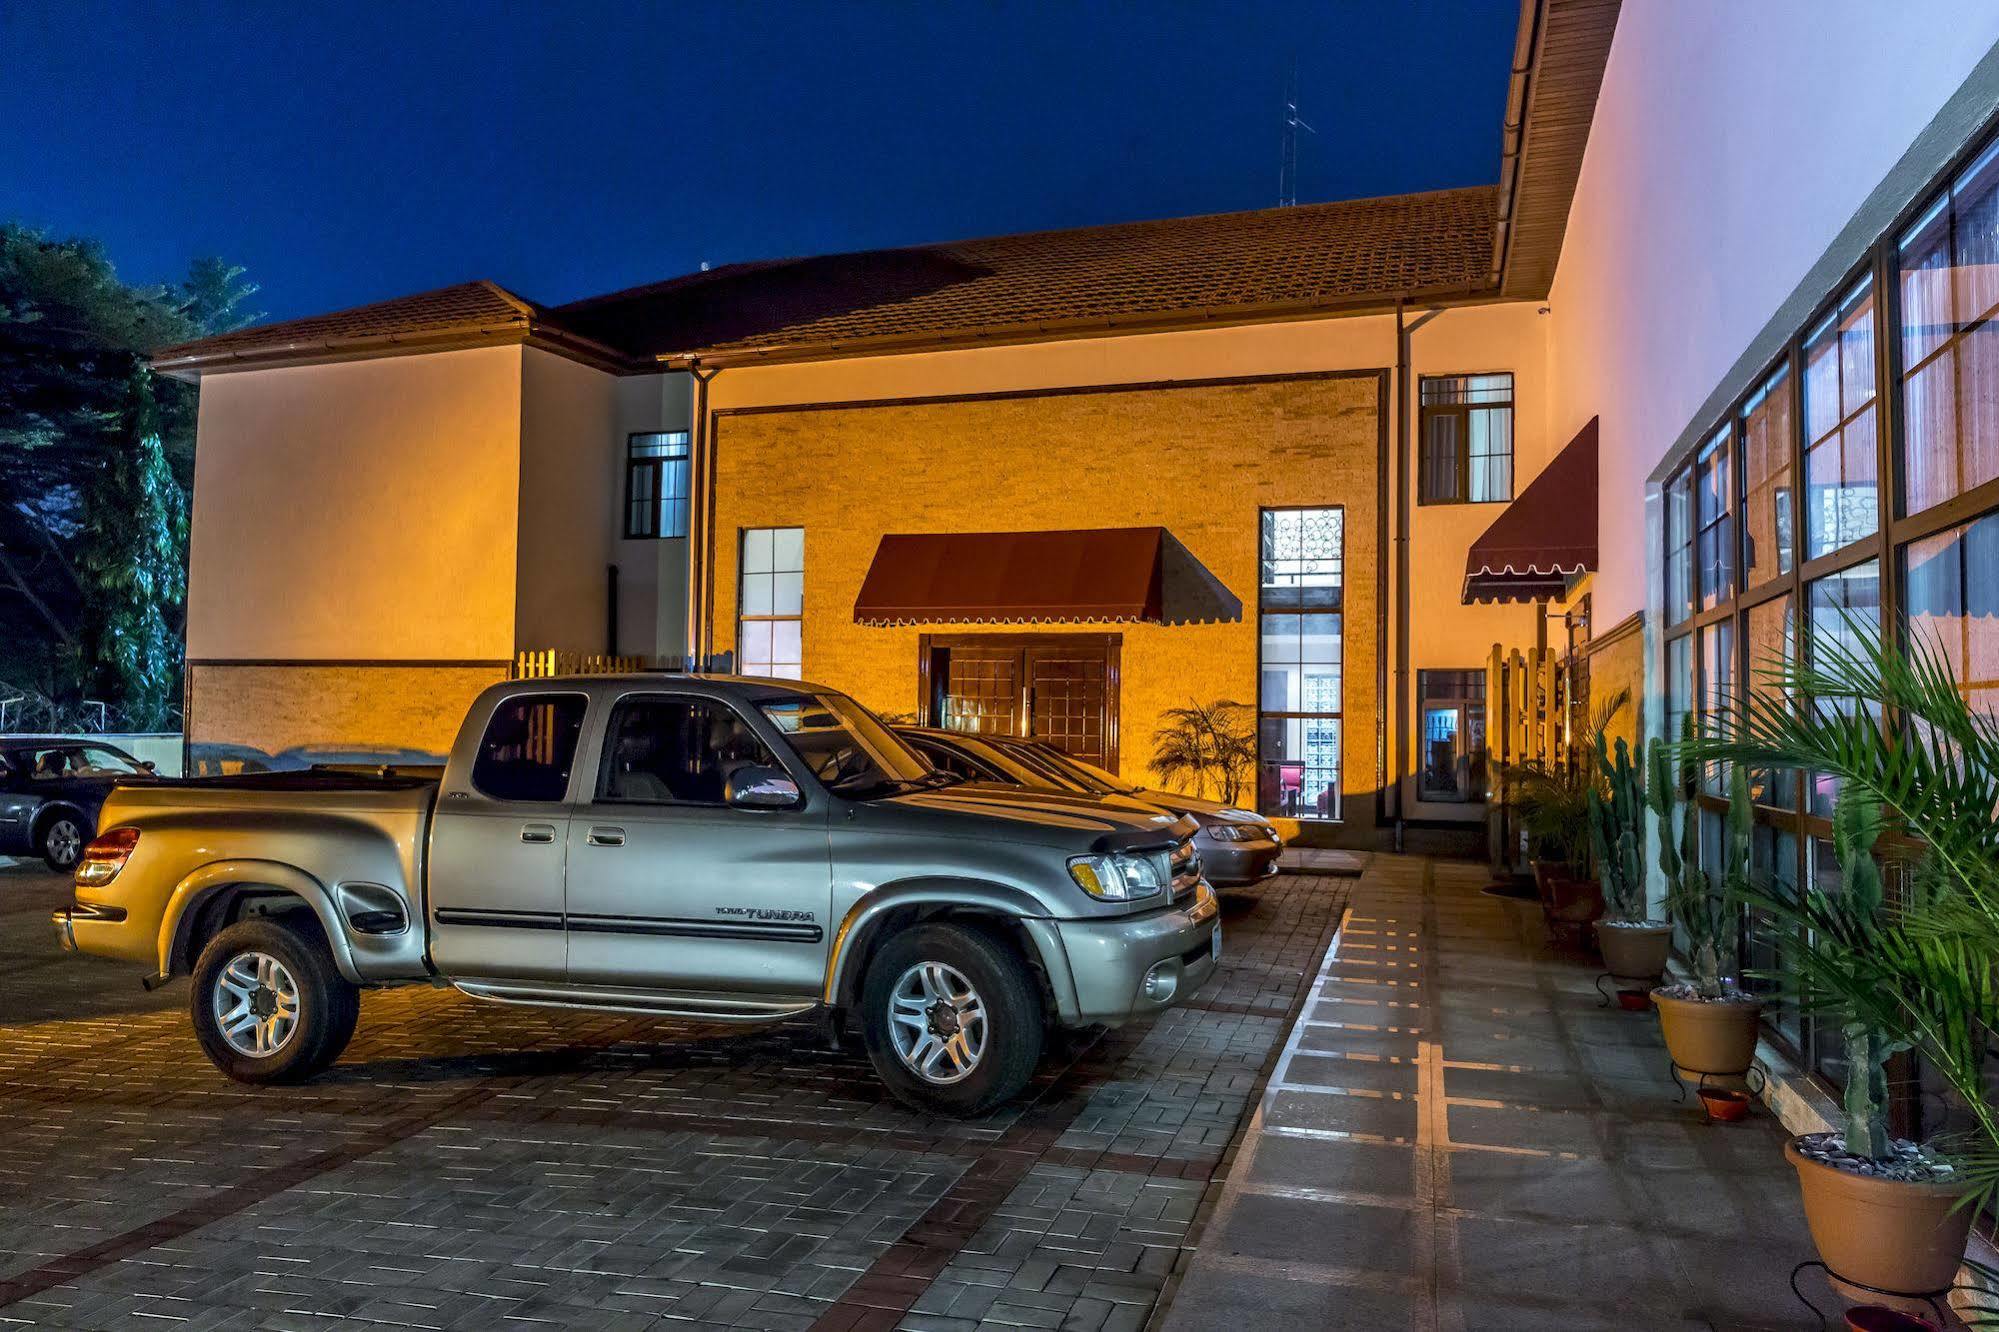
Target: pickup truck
x: 720, y: 848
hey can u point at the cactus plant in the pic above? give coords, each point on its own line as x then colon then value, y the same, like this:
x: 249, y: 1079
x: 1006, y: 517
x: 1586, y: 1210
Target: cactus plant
x: 1704, y: 910
x: 1617, y: 830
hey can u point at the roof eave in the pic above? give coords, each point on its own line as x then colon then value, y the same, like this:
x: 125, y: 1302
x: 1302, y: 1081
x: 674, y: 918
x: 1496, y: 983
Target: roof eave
x: 1069, y: 329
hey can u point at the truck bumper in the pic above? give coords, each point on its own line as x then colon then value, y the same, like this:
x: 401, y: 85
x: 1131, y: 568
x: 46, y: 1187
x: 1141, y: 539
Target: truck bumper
x: 1127, y: 967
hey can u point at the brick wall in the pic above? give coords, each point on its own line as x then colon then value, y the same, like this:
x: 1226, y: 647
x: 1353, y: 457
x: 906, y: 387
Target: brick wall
x: 380, y: 706
x: 1198, y: 459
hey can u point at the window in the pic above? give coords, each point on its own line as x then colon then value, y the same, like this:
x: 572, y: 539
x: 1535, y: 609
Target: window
x: 771, y: 637
x: 676, y: 751
x: 1680, y: 547
x: 656, y: 485
x: 1714, y: 527
x: 1452, y: 712
x: 1949, y: 262
x: 1301, y: 598
x: 1839, y: 608
x: 1717, y: 690
x: 1842, y: 492
x: 1950, y: 600
x: 529, y: 747
x: 1772, y: 642
x: 1768, y: 523
x: 1466, y: 424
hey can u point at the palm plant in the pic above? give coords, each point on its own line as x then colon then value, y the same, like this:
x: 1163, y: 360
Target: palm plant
x: 1211, y: 745
x: 1553, y: 800
x: 1919, y: 971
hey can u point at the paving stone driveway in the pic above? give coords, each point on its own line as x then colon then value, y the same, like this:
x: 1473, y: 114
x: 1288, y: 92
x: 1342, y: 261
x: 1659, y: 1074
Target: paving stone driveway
x: 468, y: 1165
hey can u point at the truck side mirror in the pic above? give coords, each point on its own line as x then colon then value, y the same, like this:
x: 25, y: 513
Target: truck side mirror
x: 758, y: 786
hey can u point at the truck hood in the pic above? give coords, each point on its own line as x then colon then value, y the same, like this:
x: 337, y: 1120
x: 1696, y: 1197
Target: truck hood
x: 1073, y: 824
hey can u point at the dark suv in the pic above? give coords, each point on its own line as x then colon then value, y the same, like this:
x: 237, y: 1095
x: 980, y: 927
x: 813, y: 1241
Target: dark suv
x: 1238, y: 849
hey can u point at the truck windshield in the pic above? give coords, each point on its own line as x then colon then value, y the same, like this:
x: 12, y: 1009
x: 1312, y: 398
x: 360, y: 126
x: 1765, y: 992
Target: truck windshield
x: 848, y: 748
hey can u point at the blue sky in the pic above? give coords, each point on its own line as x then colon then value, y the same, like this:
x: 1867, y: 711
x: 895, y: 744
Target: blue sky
x: 348, y: 152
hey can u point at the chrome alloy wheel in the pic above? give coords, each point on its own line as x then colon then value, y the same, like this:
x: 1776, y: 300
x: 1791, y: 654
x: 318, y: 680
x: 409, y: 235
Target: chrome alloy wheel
x: 65, y: 841
x: 938, y: 1023
x: 256, y: 1005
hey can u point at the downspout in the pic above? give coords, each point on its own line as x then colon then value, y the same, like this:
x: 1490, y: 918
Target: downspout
x: 1526, y: 40
x: 700, y: 544
x: 1401, y: 568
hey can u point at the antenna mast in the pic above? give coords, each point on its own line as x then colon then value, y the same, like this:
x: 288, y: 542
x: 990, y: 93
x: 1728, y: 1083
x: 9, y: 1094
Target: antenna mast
x: 1287, y: 170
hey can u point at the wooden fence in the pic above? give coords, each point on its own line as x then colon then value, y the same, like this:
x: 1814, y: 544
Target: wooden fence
x: 1530, y: 718
x: 550, y: 662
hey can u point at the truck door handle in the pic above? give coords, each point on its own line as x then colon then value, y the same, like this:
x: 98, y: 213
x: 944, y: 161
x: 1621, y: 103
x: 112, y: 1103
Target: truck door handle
x: 538, y: 834
x: 602, y: 836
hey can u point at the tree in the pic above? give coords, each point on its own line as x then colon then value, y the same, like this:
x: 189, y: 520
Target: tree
x: 72, y: 338
x: 132, y: 560
x: 1208, y: 744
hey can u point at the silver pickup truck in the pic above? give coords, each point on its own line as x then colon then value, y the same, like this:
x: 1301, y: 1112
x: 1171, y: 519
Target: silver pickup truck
x: 718, y: 848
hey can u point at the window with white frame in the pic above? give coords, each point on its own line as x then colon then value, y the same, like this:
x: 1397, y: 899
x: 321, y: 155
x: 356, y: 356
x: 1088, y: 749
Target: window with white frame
x: 771, y: 605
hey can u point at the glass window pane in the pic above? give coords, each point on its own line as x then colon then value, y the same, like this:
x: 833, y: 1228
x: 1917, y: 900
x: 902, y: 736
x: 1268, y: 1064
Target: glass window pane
x: 1714, y: 537
x: 1773, y: 865
x: 756, y: 550
x: 1679, y: 683
x: 1299, y: 670
x: 788, y: 549
x: 1772, y: 645
x: 1679, y: 498
x: 1840, y: 608
x: 675, y: 751
x: 528, y: 748
x: 1717, y: 690
x: 785, y: 642
x: 787, y: 594
x: 1767, y: 516
x: 1842, y: 486
x: 1951, y: 601
x: 1298, y: 773
x: 757, y: 593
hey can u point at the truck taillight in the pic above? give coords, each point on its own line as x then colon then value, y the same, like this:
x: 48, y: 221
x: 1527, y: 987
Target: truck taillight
x: 105, y: 856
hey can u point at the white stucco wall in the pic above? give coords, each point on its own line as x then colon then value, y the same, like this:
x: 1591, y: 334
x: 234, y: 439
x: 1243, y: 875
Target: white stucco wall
x: 652, y: 575
x: 570, y: 489
x: 1731, y: 145
x: 362, y: 510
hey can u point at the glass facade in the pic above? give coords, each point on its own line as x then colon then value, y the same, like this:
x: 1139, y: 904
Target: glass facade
x: 1745, y: 593
x: 1300, y: 606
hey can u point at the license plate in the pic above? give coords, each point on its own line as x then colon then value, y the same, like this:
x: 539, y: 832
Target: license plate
x: 1215, y: 943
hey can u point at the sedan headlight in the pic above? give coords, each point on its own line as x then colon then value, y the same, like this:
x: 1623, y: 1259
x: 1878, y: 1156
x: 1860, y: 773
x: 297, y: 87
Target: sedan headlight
x: 1119, y: 878
x: 1231, y: 832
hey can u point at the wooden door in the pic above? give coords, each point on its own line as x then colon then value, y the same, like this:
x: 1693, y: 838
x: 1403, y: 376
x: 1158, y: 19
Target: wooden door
x: 1067, y: 688
x: 1061, y: 689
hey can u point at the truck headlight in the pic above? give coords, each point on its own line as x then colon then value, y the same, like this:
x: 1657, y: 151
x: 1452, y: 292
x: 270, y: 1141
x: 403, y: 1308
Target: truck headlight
x: 1118, y: 877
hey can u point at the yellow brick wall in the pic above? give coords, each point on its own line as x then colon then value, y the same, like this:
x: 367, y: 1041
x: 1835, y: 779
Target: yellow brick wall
x: 385, y: 706
x: 1617, y: 661
x: 1197, y: 459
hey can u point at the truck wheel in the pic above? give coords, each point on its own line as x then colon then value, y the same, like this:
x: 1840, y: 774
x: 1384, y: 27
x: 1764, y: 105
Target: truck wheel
x: 62, y: 842
x: 951, y: 1019
x: 268, y: 1003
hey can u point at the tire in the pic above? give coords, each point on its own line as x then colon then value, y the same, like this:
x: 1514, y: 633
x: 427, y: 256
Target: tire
x: 979, y: 975
x: 254, y: 964
x: 61, y: 841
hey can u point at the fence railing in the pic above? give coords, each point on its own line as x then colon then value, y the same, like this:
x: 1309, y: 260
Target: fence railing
x: 1530, y: 699
x: 550, y: 662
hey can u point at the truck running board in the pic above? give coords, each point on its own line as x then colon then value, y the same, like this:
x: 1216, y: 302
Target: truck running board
x: 704, y: 1007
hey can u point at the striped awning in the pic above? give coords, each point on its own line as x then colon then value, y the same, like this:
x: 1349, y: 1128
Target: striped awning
x: 1545, y: 539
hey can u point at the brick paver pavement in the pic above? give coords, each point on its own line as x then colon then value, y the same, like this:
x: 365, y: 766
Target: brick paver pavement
x: 469, y: 1165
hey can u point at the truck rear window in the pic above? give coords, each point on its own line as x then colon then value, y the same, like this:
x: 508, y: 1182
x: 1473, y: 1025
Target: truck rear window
x: 529, y: 748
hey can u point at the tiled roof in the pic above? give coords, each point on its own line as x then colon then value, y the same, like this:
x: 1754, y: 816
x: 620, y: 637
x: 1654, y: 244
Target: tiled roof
x: 1218, y: 266
x: 468, y: 309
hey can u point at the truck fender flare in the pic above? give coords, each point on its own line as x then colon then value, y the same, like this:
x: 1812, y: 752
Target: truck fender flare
x: 184, y: 904
x: 865, y: 917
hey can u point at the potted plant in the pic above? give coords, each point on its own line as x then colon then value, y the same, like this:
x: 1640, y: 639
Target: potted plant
x: 1634, y: 945
x: 1917, y: 971
x: 1710, y: 1024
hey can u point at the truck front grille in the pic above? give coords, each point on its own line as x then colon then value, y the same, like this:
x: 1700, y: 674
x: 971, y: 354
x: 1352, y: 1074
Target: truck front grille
x: 1185, y: 867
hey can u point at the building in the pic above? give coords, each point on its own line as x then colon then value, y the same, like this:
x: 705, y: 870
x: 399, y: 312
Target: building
x: 1063, y: 482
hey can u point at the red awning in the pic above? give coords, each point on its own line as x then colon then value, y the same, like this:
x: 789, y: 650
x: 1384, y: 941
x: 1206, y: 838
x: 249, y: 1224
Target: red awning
x: 1546, y: 538
x: 1110, y: 573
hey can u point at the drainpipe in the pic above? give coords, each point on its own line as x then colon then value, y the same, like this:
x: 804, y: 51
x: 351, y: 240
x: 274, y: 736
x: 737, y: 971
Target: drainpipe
x: 1401, y: 567
x: 700, y: 542
x: 1526, y: 41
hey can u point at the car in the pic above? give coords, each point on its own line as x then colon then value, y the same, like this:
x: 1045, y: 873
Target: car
x: 50, y: 791
x: 1238, y: 848
x: 717, y: 848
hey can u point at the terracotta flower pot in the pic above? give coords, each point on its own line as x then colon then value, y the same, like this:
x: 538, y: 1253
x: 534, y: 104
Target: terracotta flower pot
x: 1898, y: 1236
x: 1717, y: 1038
x: 1725, y: 1105
x: 1635, y: 951
x: 1880, y: 1318
x: 1634, y: 1001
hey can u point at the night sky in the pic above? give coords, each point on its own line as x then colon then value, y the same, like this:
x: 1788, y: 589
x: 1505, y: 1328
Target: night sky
x: 346, y: 153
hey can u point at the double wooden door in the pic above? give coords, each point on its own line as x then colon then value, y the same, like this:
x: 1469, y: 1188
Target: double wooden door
x: 1060, y: 689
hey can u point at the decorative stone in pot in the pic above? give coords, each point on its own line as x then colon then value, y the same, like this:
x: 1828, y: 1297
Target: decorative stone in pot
x: 1634, y: 950
x: 1886, y: 1225
x: 1715, y: 1036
